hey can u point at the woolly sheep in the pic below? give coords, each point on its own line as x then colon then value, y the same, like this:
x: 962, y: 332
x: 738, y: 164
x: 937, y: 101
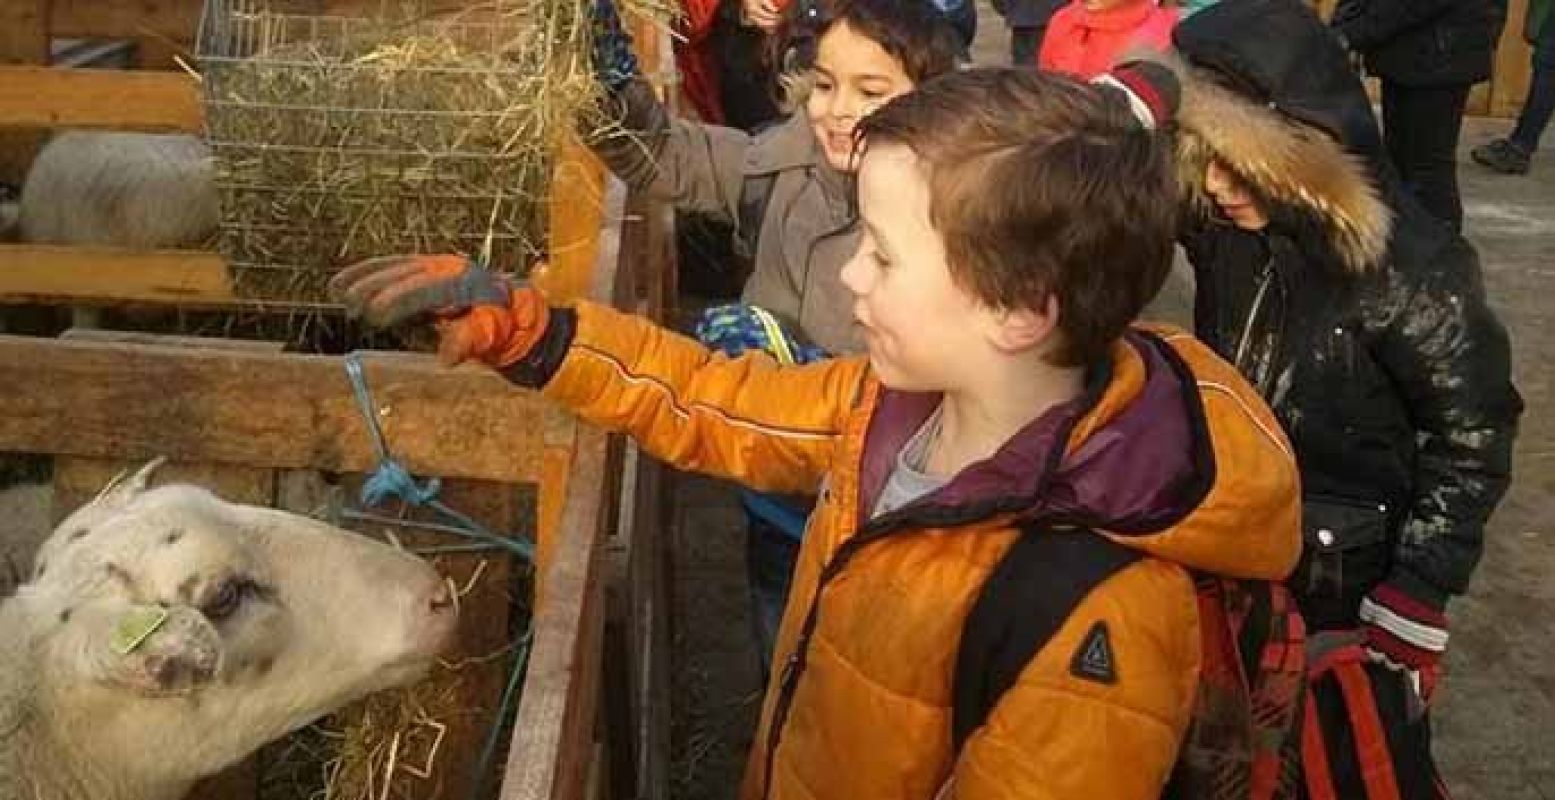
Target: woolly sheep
x: 143, y: 190
x: 272, y: 620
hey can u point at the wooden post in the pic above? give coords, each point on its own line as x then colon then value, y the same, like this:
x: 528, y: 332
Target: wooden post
x: 24, y: 39
x: 1509, y: 85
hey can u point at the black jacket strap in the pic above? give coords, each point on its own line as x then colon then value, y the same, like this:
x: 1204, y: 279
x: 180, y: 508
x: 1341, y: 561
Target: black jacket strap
x: 1034, y: 589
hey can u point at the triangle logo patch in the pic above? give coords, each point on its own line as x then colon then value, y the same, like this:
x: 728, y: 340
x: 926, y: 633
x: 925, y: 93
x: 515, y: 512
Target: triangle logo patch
x: 1094, y: 660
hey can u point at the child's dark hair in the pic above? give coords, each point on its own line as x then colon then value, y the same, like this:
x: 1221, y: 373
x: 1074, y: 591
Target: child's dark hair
x: 1042, y: 187
x: 914, y: 32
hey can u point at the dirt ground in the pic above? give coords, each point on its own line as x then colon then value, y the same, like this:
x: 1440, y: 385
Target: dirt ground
x: 1497, y: 710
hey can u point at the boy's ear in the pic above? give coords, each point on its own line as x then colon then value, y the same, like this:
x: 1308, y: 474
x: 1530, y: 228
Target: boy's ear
x: 1022, y: 328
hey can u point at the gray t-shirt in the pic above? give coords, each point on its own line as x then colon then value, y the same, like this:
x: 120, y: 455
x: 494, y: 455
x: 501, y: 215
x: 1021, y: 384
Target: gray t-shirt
x: 908, y: 481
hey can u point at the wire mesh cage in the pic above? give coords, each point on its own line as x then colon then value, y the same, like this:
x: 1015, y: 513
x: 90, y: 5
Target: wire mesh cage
x: 339, y: 138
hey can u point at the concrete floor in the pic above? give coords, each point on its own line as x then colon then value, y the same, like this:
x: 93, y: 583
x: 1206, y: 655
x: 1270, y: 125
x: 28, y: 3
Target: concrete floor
x: 1498, y: 707
x: 1496, y: 714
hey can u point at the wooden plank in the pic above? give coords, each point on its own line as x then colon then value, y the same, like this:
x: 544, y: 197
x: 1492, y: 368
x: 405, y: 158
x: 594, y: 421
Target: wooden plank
x: 43, y: 97
x: 649, y: 497
x: 198, y: 342
x: 578, y: 219
x: 1513, y: 68
x: 24, y: 36
x: 79, y: 479
x: 177, y: 21
x: 171, y: 20
x: 49, y: 273
x: 156, y: 53
x: 650, y: 576
x: 560, y: 431
x: 23, y: 40
x: 263, y: 409
x: 553, y: 736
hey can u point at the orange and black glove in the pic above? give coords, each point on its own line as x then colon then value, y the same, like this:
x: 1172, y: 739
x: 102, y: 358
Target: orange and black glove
x: 480, y: 315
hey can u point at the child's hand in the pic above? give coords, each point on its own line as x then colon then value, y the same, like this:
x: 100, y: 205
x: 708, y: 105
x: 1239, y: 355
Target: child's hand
x: 480, y: 315
x: 763, y: 14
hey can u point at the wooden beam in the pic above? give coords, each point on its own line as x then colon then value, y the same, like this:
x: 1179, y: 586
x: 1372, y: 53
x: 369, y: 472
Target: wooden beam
x: 553, y: 734
x: 560, y: 433
x: 262, y: 409
x: 44, y: 97
x: 110, y: 275
x: 24, y: 39
x: 579, y: 217
x: 136, y: 337
x: 176, y: 21
x: 1513, y: 65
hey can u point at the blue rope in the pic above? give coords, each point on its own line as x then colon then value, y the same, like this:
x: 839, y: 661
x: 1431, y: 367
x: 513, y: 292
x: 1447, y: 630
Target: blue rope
x: 390, y: 480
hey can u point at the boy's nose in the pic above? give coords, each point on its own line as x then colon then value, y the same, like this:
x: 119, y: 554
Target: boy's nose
x: 852, y: 276
x: 1216, y: 179
x: 843, y: 107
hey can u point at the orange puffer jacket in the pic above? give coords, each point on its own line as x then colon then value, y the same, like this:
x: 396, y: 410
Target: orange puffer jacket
x: 1168, y: 452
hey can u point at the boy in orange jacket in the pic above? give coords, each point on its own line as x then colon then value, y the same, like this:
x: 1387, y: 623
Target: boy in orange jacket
x: 1014, y: 223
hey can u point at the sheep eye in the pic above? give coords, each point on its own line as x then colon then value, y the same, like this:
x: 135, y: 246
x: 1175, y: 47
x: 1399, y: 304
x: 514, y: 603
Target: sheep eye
x: 228, y: 599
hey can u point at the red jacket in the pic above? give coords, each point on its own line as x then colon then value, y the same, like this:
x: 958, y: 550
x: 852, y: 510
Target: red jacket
x: 1087, y: 43
x: 696, y: 61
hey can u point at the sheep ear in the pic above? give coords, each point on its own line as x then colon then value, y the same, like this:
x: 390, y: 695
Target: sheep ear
x: 150, y: 650
x: 113, y: 498
x: 124, y: 487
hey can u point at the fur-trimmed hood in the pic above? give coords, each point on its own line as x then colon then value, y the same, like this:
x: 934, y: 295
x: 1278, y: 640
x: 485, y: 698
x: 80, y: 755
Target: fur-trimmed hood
x: 1268, y: 92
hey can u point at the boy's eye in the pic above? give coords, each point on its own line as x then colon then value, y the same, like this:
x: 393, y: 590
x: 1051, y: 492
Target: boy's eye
x: 880, y: 259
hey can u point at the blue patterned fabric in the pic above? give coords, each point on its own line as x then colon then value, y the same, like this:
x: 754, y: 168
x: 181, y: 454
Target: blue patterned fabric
x: 615, y: 65
x: 734, y: 329
x: 738, y: 327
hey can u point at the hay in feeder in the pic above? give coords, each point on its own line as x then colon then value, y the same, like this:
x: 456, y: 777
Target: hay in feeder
x: 339, y: 139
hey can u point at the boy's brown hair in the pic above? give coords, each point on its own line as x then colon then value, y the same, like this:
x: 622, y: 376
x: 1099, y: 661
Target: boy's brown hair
x: 1042, y: 186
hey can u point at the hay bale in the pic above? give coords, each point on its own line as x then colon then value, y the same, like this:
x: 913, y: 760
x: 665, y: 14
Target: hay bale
x: 342, y: 138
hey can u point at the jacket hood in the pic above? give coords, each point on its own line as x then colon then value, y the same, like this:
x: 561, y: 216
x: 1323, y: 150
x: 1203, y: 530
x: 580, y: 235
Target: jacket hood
x: 1169, y: 452
x: 1268, y: 91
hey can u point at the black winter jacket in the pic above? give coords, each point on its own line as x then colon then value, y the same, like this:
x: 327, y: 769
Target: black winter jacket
x: 1425, y: 43
x: 1372, y: 342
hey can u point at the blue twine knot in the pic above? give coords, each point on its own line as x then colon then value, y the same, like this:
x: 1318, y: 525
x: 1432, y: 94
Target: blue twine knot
x: 390, y: 480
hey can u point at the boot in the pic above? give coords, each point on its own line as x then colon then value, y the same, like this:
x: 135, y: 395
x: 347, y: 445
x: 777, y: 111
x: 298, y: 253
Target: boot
x: 1502, y: 155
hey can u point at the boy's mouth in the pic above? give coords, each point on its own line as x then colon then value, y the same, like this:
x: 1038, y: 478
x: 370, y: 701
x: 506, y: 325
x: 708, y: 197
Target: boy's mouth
x: 839, y: 142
